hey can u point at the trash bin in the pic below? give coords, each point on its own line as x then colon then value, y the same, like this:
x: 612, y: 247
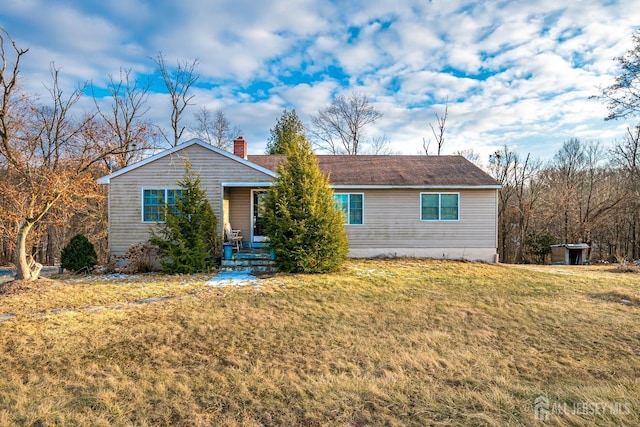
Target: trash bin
x: 228, y: 250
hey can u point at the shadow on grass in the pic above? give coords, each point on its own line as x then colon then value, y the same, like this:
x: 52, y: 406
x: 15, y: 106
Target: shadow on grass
x: 618, y: 297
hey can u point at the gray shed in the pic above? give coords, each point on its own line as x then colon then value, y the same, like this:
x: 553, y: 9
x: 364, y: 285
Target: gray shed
x: 570, y: 254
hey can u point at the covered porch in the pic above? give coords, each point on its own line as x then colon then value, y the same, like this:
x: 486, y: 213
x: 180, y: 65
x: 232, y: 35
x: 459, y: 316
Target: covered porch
x: 243, y: 209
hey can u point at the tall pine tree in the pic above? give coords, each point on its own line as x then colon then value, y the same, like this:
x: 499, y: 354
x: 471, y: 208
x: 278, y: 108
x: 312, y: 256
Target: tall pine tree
x: 288, y: 129
x: 305, y: 229
x: 188, y: 239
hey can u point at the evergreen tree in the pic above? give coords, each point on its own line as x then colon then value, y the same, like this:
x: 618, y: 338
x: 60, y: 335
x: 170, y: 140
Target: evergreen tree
x: 78, y: 255
x: 188, y: 239
x: 305, y: 229
x: 287, y: 130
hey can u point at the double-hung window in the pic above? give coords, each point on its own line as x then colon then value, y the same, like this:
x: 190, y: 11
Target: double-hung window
x: 155, y: 201
x: 439, y: 206
x: 352, y: 204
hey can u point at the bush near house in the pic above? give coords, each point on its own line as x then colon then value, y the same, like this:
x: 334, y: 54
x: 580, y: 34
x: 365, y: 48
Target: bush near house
x: 142, y: 257
x: 78, y: 255
x: 188, y: 240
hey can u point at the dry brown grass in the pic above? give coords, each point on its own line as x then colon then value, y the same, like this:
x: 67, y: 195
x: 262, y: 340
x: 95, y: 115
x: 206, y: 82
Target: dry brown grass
x: 393, y: 342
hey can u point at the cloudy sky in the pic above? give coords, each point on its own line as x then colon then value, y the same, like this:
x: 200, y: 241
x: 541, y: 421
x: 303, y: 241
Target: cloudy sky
x: 515, y: 72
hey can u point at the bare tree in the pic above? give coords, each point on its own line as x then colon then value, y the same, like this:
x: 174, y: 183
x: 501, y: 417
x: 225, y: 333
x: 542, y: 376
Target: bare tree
x: 438, y: 131
x: 214, y: 128
x: 598, y: 193
x: 627, y: 153
x: 380, y: 145
x: 527, y: 193
x: 425, y: 146
x: 46, y: 155
x: 125, y: 121
x: 568, y: 162
x: 517, y: 201
x: 503, y: 166
x: 471, y: 155
x: 178, y: 83
x: 8, y: 81
x: 623, y: 96
x: 441, y: 126
x: 340, y: 128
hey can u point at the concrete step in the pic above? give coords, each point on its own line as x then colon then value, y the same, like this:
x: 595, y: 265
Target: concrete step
x: 230, y: 262
x: 255, y: 255
x: 246, y: 262
x: 250, y: 269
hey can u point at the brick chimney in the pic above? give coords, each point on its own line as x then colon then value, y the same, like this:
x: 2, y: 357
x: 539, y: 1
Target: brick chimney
x: 240, y: 147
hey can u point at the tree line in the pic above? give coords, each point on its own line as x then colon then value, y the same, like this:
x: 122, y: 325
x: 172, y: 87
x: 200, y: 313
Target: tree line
x: 584, y: 194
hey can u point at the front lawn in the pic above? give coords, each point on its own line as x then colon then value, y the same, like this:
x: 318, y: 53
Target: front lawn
x: 388, y: 342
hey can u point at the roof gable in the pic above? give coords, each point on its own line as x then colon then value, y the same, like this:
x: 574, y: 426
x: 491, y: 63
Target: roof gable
x: 105, y: 179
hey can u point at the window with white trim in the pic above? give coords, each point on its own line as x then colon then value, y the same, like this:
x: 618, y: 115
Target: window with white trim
x: 439, y: 206
x: 352, y: 204
x: 154, y: 202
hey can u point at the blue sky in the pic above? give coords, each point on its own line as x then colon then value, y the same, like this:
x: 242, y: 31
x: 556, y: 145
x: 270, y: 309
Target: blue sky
x: 515, y: 72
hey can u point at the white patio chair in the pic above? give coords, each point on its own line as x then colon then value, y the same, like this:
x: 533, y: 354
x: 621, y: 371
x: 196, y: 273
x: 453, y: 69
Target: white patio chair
x: 233, y: 236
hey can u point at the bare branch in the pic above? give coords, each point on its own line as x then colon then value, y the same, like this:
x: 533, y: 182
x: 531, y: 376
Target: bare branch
x: 425, y: 146
x: 125, y: 119
x: 340, y: 128
x: 8, y: 85
x: 178, y: 84
x: 442, y: 122
x: 214, y: 128
x: 623, y: 95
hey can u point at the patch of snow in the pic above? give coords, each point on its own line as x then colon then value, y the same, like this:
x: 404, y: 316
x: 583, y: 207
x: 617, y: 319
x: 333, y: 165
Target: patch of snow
x: 118, y: 276
x: 233, y: 278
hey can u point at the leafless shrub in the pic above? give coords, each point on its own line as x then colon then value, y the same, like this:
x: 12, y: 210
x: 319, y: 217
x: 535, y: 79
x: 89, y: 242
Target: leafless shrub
x: 140, y: 258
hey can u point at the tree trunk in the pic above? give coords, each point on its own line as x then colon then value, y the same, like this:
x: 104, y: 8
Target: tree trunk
x: 634, y: 239
x: 566, y: 225
x: 25, y: 269
x: 50, y: 246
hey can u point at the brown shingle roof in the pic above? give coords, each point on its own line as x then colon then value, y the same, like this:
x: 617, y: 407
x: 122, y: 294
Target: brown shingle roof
x: 394, y: 170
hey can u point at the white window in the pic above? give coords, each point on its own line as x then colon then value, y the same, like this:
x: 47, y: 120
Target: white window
x: 439, y: 206
x: 352, y: 204
x: 155, y: 201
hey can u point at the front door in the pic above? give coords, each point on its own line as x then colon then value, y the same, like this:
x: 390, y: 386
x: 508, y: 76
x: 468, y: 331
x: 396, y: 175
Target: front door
x: 258, y: 216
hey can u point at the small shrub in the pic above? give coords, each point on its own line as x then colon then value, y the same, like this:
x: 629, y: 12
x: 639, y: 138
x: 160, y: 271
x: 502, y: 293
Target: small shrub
x: 142, y: 258
x: 78, y: 255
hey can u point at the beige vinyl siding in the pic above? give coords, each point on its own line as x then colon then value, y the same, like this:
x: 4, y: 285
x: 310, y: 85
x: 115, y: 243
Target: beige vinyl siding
x: 392, y: 220
x: 125, y: 207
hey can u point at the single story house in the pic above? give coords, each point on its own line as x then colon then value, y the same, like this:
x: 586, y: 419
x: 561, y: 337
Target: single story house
x: 395, y: 205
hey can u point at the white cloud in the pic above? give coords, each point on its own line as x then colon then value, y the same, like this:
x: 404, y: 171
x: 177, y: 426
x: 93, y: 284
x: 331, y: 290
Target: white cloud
x: 515, y: 72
